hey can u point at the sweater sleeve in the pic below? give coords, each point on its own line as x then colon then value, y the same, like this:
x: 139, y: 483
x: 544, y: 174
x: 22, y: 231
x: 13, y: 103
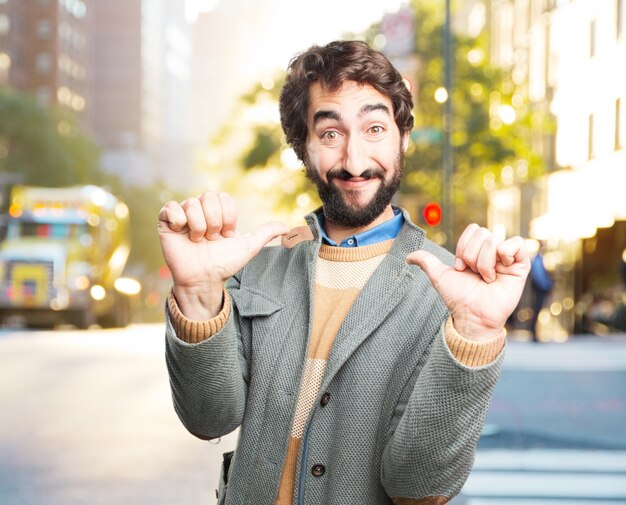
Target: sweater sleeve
x: 208, y: 370
x: 430, y: 453
x: 470, y: 353
x: 193, y: 332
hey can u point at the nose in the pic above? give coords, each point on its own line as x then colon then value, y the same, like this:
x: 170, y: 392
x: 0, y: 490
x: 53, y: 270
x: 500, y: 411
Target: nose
x: 355, y: 156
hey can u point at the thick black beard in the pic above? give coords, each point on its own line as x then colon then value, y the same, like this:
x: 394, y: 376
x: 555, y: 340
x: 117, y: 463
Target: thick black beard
x: 339, y: 211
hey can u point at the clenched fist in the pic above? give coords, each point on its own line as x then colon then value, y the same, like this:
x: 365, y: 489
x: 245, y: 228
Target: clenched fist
x: 202, y: 249
x: 484, y: 285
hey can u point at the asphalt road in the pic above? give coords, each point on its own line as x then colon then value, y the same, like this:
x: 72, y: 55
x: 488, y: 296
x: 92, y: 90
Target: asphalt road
x: 555, y: 433
x: 86, y: 418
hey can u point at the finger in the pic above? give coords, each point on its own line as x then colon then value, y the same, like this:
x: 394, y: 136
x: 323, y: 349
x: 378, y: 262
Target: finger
x: 459, y: 264
x: 512, y: 251
x: 265, y: 234
x: 472, y: 248
x: 432, y: 266
x: 487, y: 259
x: 212, y: 210
x: 172, y: 216
x: 195, y: 218
x: 229, y: 215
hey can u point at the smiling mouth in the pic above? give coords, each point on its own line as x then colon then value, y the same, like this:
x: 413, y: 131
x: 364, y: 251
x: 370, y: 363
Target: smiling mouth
x: 357, y: 191
x: 355, y: 183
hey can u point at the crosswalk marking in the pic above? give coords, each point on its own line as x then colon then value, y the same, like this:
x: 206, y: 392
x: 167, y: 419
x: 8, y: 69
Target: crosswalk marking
x: 524, y: 501
x: 546, y: 485
x: 548, y: 460
x: 546, y: 477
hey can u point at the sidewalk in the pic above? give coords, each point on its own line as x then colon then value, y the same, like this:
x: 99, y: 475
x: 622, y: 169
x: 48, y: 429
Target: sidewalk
x: 578, y: 353
x: 523, y: 336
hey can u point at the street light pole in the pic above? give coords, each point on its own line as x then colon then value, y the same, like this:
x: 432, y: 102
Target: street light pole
x: 448, y: 160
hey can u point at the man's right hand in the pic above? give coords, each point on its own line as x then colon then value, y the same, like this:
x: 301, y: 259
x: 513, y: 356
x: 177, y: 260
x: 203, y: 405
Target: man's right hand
x: 202, y: 249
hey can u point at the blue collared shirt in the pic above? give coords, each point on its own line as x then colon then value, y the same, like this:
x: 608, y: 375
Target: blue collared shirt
x: 384, y: 231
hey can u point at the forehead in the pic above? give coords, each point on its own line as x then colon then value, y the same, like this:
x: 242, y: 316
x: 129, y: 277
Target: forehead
x: 351, y: 97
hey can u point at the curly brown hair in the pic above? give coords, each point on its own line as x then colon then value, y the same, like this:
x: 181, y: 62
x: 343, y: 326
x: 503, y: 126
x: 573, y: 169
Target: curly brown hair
x: 331, y: 65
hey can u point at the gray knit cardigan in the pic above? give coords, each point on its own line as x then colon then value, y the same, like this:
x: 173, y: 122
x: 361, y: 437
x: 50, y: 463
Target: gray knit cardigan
x: 404, y: 415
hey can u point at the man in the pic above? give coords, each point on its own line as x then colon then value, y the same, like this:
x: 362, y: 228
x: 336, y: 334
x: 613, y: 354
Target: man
x: 356, y: 361
x: 541, y: 283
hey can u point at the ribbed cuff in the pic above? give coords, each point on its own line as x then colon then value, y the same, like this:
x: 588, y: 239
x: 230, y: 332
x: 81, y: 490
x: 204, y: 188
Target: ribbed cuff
x: 194, y: 332
x: 472, y: 353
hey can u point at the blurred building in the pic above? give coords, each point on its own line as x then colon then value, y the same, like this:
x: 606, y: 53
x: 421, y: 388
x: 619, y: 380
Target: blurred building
x: 141, y: 82
x: 567, y: 58
x: 123, y: 66
x: 45, y: 50
x: 218, y: 76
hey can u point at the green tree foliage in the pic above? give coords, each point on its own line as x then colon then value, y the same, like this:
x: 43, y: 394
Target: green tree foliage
x: 260, y: 170
x: 266, y: 144
x: 494, y: 127
x: 45, y: 147
x: 493, y: 122
x: 143, y: 205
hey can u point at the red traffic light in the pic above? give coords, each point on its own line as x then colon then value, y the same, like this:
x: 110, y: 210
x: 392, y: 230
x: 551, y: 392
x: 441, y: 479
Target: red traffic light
x: 432, y: 214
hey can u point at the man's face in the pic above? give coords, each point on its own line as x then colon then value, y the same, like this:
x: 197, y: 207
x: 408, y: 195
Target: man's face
x: 354, y: 152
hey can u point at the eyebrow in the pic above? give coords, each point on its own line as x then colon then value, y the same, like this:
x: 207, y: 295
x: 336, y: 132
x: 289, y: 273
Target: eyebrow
x: 373, y: 107
x: 326, y: 114
x: 334, y: 115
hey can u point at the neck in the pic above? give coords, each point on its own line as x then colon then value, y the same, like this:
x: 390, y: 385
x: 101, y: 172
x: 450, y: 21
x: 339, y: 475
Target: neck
x: 338, y: 232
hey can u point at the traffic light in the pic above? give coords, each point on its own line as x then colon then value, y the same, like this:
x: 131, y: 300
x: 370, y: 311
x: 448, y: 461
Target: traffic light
x: 432, y: 214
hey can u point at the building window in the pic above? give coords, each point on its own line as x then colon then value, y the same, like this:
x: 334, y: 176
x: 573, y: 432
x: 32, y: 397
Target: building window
x: 44, y: 29
x: 5, y: 67
x: 44, y: 95
x: 5, y: 24
x: 549, y: 5
x: 547, y: 60
x: 43, y: 63
x: 592, y: 39
x: 590, y: 147
x: 618, y: 124
x: 77, y: 8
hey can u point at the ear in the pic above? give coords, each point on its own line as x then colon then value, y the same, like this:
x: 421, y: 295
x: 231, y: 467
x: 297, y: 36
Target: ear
x: 405, y: 141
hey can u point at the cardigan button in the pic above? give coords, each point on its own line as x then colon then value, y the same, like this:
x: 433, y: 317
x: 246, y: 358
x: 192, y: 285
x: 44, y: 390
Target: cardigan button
x: 325, y: 399
x: 318, y: 470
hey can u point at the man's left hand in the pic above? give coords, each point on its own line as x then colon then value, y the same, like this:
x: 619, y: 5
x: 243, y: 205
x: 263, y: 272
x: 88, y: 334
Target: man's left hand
x: 485, y: 284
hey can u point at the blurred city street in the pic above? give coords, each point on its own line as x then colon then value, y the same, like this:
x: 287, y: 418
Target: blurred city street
x: 87, y: 419
x: 111, y: 109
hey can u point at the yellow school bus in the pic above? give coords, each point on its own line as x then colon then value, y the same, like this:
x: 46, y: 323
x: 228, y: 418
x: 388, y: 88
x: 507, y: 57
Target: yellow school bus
x: 63, y: 257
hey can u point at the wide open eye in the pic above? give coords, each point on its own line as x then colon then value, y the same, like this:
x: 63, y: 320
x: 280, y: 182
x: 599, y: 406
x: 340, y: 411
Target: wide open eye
x: 330, y: 136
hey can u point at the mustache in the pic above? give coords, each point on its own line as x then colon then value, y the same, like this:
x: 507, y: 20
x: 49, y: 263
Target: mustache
x: 344, y: 175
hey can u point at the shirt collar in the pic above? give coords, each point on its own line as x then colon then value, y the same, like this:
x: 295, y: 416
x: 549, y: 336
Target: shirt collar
x: 384, y: 231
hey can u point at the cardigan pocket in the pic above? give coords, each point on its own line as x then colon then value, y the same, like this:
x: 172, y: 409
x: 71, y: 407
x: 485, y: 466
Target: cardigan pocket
x: 223, y: 482
x: 262, y: 314
x: 252, y: 303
